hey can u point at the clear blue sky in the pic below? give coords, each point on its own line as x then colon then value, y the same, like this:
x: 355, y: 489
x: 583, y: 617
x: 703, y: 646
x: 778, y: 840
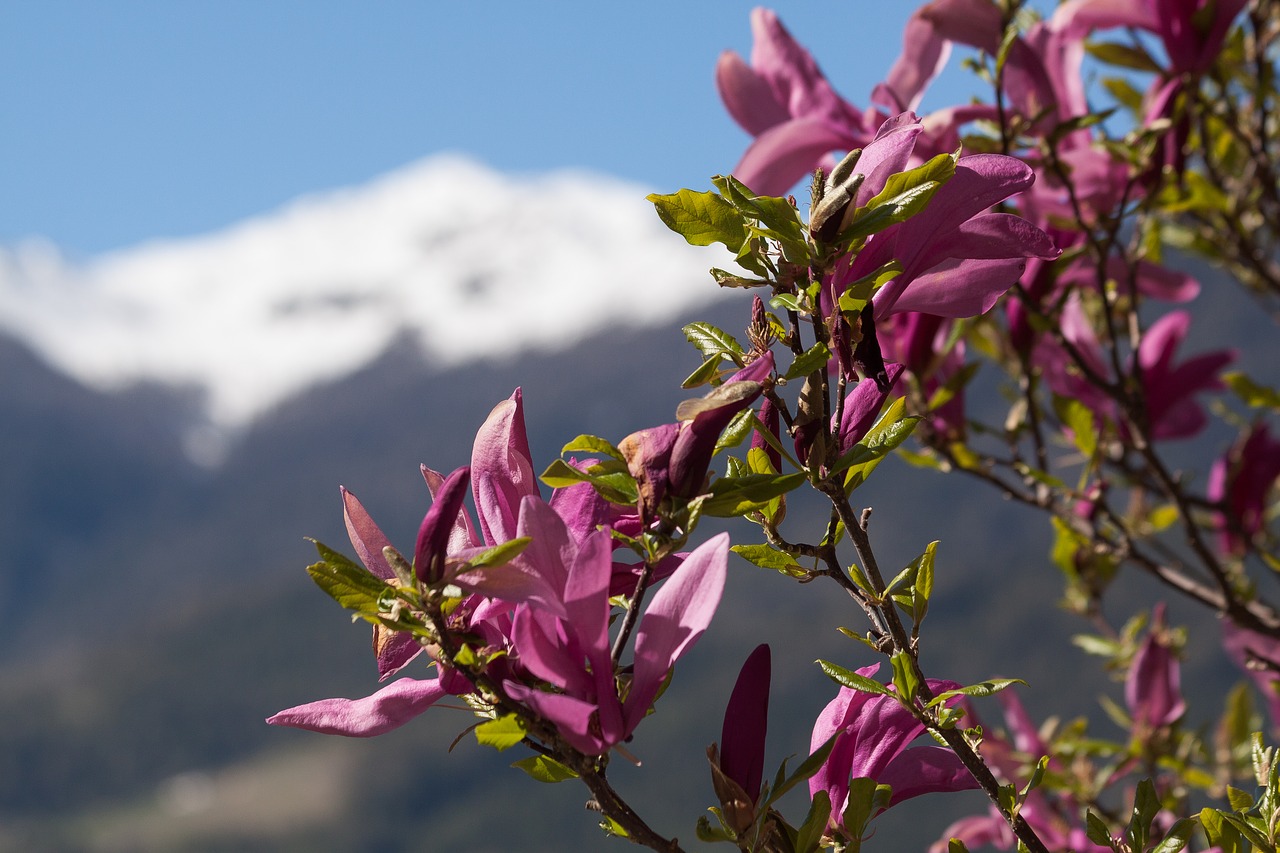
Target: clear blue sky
x: 133, y: 119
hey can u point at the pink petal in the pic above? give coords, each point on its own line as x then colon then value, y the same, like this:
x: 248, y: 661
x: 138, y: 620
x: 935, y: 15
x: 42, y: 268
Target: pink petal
x: 955, y: 288
x: 972, y: 22
x: 925, y: 770
x: 1079, y: 17
x: 746, y: 721
x: 786, y: 153
x: 747, y: 96
x: 367, y: 538
x: 571, y: 716
x: 676, y: 617
x: 924, y: 53
x: 389, y: 708
x: 502, y: 470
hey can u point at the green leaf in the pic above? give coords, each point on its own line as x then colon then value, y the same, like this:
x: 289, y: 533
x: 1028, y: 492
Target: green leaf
x: 734, y: 496
x: 1220, y: 833
x: 702, y: 218
x: 814, y: 358
x: 500, y: 555
x: 1178, y: 836
x: 592, y: 444
x: 1078, y: 417
x: 981, y: 690
x: 353, y: 586
x: 1123, y: 55
x: 955, y: 845
x: 728, y: 279
x: 849, y: 678
x: 1145, y: 806
x: 904, y: 195
x: 904, y: 676
x: 706, y: 372
x: 768, y: 557
x: 811, y: 765
x: 545, y: 769
x: 1097, y: 831
x: 612, y: 827
x: 711, y: 340
x: 502, y: 733
x: 712, y: 834
x: 1253, y: 394
x: 611, y: 480
x: 861, y: 807
x: 1240, y: 801
x: 809, y: 837
x: 742, y: 425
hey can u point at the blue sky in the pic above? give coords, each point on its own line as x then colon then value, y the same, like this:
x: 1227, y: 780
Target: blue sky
x: 136, y: 119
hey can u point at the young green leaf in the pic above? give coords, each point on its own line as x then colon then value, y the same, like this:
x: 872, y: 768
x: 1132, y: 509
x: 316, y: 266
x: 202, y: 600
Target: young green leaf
x: 545, y: 769
x: 852, y: 680
x: 702, y: 218
x: 502, y: 733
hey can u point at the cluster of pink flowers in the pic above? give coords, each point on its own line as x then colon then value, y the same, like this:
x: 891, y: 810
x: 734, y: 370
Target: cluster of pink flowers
x: 541, y: 620
x: 958, y: 258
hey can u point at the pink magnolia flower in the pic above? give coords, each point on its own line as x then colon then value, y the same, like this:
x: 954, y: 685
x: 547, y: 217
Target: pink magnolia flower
x: 1192, y: 31
x: 1240, y: 482
x: 1259, y: 656
x: 874, y: 742
x: 567, y: 646
x: 783, y: 100
x: 957, y: 257
x: 1153, y: 687
x: 505, y: 492
x: 1055, y: 819
x: 1169, y: 389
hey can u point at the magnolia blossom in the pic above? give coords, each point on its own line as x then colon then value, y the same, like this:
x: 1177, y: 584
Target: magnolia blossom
x: 1259, y: 656
x: 567, y: 645
x: 1192, y: 31
x: 874, y: 742
x: 957, y: 257
x: 1241, y: 482
x: 783, y: 100
x: 1153, y: 687
x: 1055, y: 819
x: 1168, y: 389
x: 505, y: 492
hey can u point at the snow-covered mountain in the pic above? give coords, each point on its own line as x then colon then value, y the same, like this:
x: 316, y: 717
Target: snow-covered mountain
x: 471, y: 263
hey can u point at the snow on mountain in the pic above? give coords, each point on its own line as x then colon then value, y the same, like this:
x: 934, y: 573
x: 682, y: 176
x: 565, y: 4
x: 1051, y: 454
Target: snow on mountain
x: 474, y: 264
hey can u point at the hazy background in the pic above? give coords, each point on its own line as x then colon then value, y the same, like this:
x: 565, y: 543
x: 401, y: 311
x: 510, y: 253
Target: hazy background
x: 153, y: 604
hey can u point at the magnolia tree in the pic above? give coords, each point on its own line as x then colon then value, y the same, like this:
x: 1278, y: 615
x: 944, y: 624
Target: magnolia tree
x: 1035, y: 235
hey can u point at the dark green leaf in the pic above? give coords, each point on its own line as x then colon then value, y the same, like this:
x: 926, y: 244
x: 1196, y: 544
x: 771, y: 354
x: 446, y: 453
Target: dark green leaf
x: 814, y: 358
x: 1097, y: 831
x: 1178, y: 836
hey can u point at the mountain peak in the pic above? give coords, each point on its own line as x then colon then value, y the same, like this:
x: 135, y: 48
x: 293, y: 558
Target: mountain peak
x: 472, y: 263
